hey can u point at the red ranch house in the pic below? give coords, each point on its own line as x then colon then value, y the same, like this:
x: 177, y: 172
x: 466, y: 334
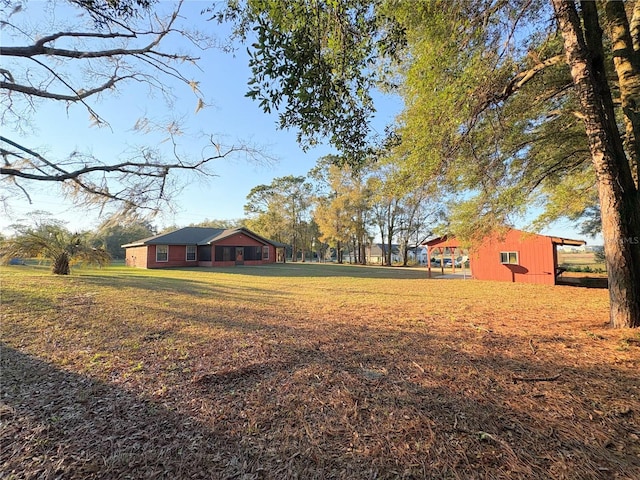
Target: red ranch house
x: 203, y: 247
x: 515, y: 256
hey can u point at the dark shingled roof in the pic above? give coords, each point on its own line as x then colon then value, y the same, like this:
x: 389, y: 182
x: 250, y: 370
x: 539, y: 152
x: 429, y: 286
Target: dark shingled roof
x: 195, y: 236
x: 184, y: 236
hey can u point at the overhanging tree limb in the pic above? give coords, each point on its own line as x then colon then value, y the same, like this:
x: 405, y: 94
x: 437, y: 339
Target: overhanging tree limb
x: 79, y: 95
x: 123, y: 42
x: 144, y: 181
x: 515, y: 84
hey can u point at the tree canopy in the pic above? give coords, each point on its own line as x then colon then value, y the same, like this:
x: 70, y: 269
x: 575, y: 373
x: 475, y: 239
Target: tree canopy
x: 312, y: 63
x: 280, y: 211
x: 509, y: 105
x: 113, y: 233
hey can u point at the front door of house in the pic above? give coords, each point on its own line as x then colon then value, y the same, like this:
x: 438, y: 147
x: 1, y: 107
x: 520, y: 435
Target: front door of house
x: 239, y: 255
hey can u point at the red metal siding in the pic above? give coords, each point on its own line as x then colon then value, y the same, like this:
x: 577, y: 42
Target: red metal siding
x: 536, y: 259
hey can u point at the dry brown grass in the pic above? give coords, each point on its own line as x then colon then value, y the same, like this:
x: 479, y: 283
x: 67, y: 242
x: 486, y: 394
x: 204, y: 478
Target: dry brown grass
x: 312, y: 371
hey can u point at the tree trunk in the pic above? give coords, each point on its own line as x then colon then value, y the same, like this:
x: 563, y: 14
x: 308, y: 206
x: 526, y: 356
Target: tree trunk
x: 618, y: 196
x: 61, y: 264
x: 635, y: 27
x: 627, y: 65
x: 390, y: 232
x: 382, y: 254
x: 405, y: 252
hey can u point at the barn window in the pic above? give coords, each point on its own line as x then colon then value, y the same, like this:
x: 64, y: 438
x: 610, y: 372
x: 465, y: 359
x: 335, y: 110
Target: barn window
x: 509, y: 258
x: 265, y: 252
x: 191, y: 253
x: 162, y: 253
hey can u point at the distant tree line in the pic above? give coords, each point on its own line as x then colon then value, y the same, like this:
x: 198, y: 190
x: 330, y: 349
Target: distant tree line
x: 336, y: 210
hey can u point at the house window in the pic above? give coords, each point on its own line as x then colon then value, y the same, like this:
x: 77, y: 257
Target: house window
x: 191, y: 253
x: 162, y: 253
x: 509, y: 258
x: 265, y: 252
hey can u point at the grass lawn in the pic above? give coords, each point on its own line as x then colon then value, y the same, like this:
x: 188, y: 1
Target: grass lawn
x: 311, y: 371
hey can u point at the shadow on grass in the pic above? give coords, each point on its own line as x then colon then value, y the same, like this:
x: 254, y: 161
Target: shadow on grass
x: 28, y: 299
x: 308, y: 269
x: 331, y: 409
x: 202, y: 289
x: 355, y: 271
x: 584, y: 282
x: 57, y: 424
x: 147, y: 282
x: 201, y: 281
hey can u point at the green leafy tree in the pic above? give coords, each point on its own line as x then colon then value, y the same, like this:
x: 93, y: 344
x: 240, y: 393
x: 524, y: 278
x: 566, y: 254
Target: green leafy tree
x: 112, y: 234
x: 402, y: 205
x: 51, y: 241
x: 418, y: 218
x: 385, y: 210
x: 220, y: 223
x: 329, y: 210
x: 509, y: 109
x: 536, y: 120
x: 311, y: 63
x: 280, y: 211
x: 614, y: 167
x: 342, y: 207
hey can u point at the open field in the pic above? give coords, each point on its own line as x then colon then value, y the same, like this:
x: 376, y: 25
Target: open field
x: 582, y: 259
x: 311, y: 371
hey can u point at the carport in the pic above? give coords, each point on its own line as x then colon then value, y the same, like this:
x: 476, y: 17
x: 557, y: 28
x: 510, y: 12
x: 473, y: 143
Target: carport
x: 439, y: 246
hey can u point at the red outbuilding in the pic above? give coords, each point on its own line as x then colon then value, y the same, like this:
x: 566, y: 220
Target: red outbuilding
x: 514, y: 256
x: 203, y: 247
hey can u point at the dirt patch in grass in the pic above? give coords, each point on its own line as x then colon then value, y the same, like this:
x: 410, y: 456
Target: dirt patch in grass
x: 312, y: 373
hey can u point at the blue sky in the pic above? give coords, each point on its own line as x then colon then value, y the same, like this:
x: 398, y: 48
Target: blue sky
x: 230, y: 117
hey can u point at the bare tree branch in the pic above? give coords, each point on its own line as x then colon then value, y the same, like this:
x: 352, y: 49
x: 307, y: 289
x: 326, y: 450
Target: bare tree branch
x: 40, y: 48
x: 149, y: 54
x: 156, y: 169
x: 79, y: 95
x: 129, y: 46
x: 145, y: 178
